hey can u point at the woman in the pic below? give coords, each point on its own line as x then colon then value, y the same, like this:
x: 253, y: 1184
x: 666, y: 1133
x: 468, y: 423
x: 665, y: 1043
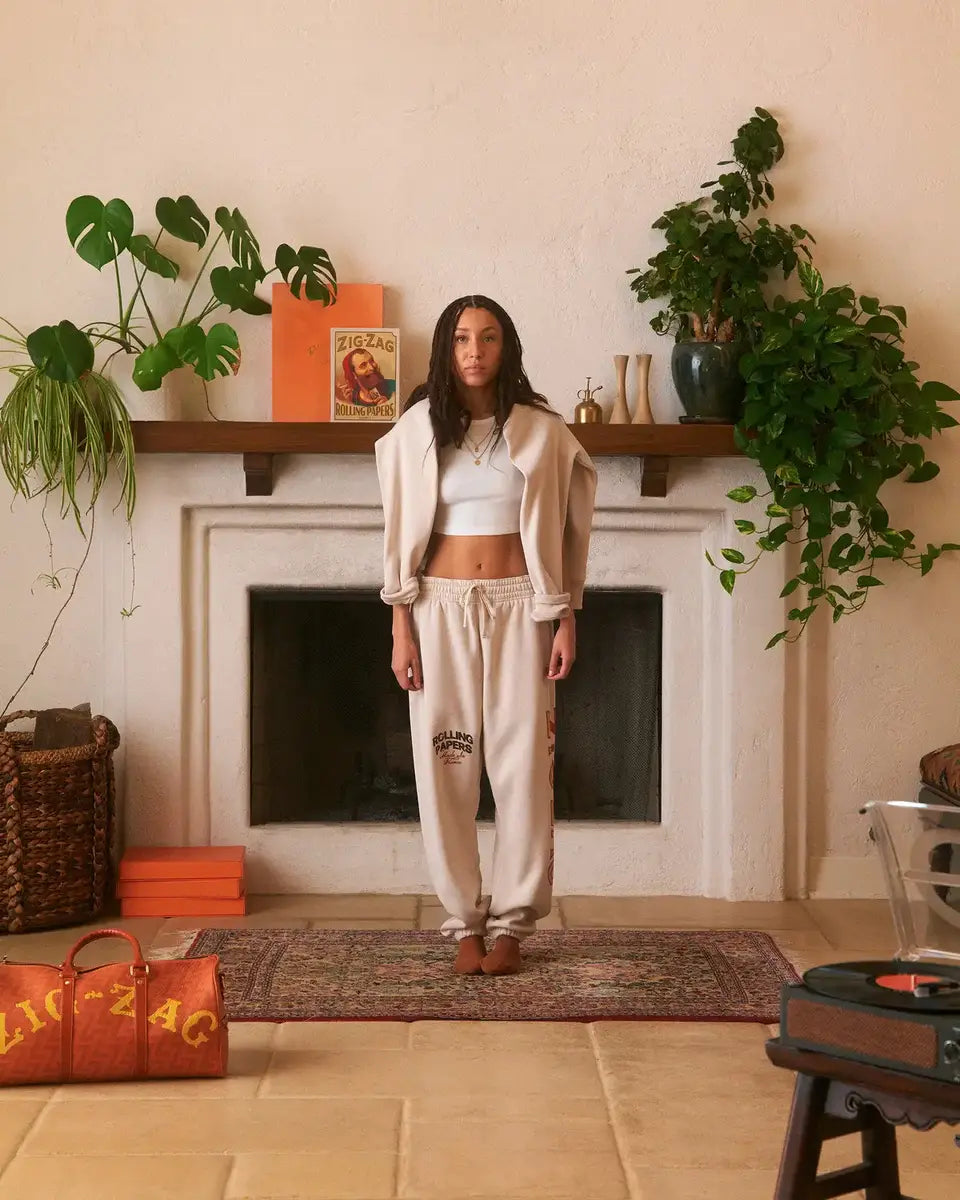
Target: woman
x: 488, y: 499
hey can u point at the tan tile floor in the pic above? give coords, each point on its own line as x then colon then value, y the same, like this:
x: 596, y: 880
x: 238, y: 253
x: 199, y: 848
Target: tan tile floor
x: 452, y: 1111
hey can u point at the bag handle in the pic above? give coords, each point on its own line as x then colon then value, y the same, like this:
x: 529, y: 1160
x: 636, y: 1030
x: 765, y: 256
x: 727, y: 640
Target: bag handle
x: 138, y: 964
x: 139, y: 969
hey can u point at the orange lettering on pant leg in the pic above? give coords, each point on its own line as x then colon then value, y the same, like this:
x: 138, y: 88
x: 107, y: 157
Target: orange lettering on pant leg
x: 551, y: 752
x: 551, y: 739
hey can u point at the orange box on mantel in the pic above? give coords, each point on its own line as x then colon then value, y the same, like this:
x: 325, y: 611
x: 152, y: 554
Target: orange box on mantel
x: 301, y: 345
x: 182, y: 862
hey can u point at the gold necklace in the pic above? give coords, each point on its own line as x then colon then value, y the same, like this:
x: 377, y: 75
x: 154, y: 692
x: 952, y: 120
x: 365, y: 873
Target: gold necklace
x: 480, y: 448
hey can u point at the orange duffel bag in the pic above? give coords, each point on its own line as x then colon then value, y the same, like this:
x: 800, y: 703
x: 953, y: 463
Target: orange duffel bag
x: 130, y: 1020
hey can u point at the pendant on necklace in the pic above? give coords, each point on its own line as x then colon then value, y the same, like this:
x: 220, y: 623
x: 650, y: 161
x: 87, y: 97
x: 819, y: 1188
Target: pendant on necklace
x: 476, y: 462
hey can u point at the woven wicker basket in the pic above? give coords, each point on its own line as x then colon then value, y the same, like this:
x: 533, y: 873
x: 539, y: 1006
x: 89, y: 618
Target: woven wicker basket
x: 58, y: 813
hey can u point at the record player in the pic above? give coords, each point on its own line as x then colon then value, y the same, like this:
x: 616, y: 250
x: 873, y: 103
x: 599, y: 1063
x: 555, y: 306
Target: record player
x: 902, y: 1013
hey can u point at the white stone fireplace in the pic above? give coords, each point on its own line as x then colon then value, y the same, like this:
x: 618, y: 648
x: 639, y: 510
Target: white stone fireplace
x: 178, y: 681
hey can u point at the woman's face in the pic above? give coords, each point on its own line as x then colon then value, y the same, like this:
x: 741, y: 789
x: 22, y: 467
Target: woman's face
x: 477, y: 348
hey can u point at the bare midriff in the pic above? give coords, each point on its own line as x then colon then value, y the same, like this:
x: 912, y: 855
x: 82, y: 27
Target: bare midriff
x: 475, y: 556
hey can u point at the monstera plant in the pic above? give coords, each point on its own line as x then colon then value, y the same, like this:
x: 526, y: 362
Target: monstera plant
x: 64, y: 423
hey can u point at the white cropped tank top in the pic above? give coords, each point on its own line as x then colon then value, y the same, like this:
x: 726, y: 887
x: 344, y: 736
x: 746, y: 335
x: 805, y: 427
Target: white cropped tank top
x: 479, y: 487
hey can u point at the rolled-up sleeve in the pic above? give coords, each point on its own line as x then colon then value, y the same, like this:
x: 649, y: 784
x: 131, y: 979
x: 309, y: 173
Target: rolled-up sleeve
x: 576, y: 531
x: 400, y: 582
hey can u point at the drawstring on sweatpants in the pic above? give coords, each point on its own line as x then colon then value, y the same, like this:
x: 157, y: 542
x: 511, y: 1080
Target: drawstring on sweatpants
x: 489, y: 593
x: 487, y: 612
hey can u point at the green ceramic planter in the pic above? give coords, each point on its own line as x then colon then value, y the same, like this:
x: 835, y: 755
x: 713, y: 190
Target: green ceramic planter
x: 708, y: 380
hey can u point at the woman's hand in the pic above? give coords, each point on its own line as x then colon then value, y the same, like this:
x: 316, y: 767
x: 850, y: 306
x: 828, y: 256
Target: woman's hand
x: 405, y: 662
x: 564, y: 651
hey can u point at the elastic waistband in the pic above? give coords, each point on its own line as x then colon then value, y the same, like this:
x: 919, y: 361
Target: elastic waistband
x: 496, y: 591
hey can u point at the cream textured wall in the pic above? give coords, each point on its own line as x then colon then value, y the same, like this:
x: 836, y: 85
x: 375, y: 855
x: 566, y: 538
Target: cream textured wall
x: 521, y: 149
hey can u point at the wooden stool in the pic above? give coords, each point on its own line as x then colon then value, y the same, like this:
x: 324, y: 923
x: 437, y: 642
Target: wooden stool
x: 836, y: 1096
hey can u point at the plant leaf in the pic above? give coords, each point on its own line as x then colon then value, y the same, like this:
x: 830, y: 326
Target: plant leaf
x: 210, y: 353
x: 727, y: 580
x: 777, y: 637
x: 811, y: 279
x: 742, y: 494
x: 868, y: 581
x: 154, y: 363
x: 62, y: 352
x: 182, y: 219
x: 929, y: 470
x: 789, y: 588
x: 787, y: 472
x: 234, y: 286
x: 244, y: 247
x: 745, y: 526
x: 845, y: 439
x: 313, y: 273
x: 216, y: 352
x: 882, y: 325
x: 734, y: 556
x: 145, y: 252
x: 775, y: 340
x: 186, y: 341
x: 939, y: 393
x: 97, y: 231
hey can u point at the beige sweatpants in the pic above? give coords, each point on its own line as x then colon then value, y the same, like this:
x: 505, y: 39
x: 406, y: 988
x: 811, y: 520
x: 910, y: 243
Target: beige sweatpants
x: 485, y: 699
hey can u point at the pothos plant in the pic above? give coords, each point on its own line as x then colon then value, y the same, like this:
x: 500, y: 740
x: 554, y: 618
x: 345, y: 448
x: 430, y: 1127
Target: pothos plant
x: 64, y: 423
x: 833, y: 411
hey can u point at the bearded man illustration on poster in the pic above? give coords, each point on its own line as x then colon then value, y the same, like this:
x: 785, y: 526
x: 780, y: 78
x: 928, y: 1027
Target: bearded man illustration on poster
x: 364, y: 367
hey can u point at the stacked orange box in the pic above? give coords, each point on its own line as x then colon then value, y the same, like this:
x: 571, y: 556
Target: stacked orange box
x: 182, y: 881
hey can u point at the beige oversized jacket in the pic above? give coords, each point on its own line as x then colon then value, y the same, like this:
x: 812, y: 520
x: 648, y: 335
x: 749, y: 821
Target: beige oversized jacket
x: 556, y: 509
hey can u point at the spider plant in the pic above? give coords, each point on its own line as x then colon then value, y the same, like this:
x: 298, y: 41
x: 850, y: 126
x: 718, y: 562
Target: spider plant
x: 58, y: 434
x: 58, y: 437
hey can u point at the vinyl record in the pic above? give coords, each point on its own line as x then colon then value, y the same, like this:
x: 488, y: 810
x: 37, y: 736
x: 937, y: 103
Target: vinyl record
x: 909, y: 987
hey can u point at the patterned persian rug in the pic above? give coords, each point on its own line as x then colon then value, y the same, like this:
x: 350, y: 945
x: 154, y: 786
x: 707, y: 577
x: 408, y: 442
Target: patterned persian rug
x: 583, y: 975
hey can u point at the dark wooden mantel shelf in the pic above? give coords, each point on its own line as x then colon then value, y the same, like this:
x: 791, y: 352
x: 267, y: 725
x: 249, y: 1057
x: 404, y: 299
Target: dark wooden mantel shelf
x: 260, y: 441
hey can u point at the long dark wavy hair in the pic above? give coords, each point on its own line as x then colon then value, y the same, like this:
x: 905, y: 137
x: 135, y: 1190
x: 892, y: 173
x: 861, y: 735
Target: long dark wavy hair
x: 449, y: 418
